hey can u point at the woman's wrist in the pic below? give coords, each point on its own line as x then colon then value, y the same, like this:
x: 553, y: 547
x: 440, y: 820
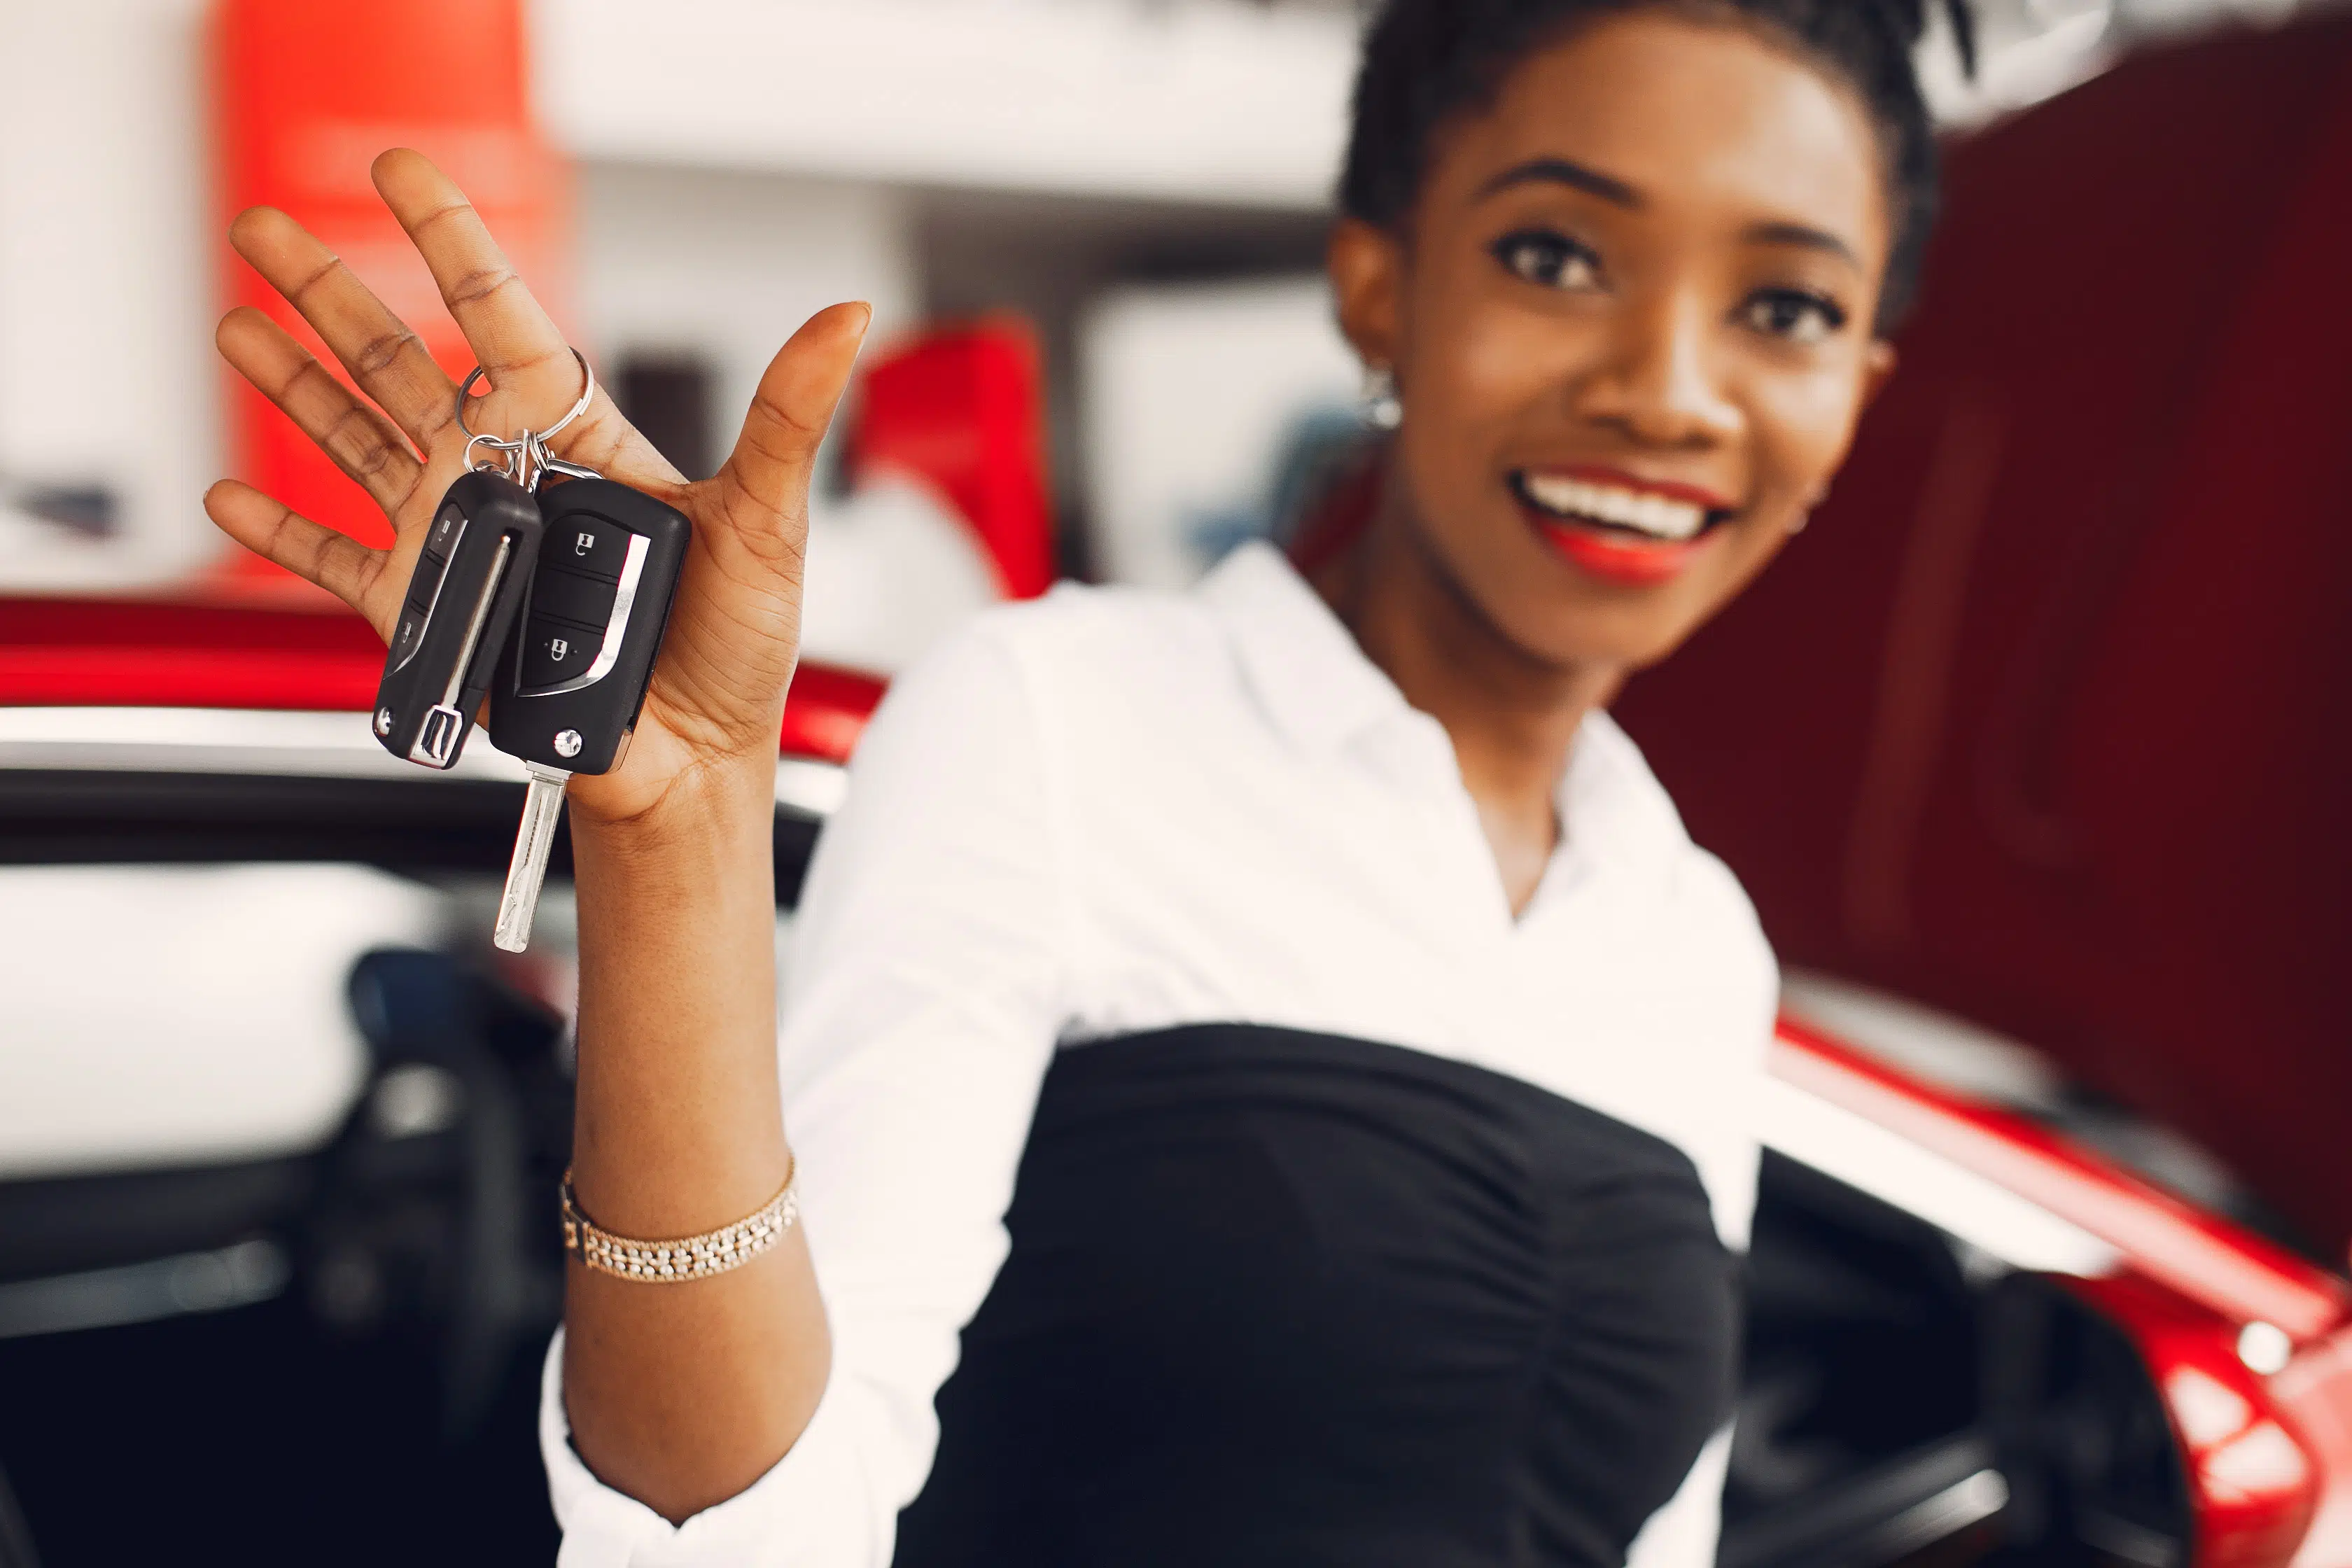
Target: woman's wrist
x: 699, y: 855
x: 713, y: 799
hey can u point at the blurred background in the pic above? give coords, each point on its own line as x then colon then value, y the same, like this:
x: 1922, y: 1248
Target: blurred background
x: 1140, y: 185
x: 2033, y: 752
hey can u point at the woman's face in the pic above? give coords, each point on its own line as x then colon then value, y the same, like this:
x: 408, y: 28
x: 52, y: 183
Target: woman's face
x: 1630, y: 321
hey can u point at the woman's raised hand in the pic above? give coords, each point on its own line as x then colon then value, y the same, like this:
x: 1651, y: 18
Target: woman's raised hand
x: 717, y: 688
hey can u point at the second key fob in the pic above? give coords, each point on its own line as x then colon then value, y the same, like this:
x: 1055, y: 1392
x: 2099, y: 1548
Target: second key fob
x: 569, y: 686
x: 460, y: 607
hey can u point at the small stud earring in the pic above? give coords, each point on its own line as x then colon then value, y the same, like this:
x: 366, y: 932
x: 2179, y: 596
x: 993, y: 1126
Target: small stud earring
x: 1381, y: 408
x: 1819, y: 494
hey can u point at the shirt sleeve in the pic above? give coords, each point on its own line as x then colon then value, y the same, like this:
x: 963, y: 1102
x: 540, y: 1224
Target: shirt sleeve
x: 925, y: 990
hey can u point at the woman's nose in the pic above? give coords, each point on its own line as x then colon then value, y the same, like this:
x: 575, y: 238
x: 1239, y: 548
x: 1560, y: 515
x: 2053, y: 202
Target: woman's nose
x: 1660, y: 383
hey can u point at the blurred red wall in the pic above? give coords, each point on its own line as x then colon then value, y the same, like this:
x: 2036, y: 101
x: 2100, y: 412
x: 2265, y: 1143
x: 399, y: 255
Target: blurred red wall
x: 304, y: 96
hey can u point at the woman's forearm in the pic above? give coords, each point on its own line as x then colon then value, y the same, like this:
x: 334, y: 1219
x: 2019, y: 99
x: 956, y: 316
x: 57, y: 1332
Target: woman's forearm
x: 683, y: 1395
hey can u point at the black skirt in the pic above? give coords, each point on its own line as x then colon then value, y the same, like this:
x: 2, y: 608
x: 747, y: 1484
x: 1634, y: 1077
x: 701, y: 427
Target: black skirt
x: 1284, y: 1298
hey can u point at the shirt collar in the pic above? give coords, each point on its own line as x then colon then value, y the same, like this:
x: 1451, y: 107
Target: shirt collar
x: 1611, y: 806
x: 1321, y: 692
x: 1303, y: 663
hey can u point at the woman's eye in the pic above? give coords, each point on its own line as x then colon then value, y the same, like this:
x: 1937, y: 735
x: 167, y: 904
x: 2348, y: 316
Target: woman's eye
x: 1552, y: 260
x: 1793, y: 314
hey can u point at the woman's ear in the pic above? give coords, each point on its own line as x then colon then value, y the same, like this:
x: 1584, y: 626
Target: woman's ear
x: 1367, y: 265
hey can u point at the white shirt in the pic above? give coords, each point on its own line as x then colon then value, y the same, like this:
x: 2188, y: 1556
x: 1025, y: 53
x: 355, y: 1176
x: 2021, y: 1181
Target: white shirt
x: 1112, y: 811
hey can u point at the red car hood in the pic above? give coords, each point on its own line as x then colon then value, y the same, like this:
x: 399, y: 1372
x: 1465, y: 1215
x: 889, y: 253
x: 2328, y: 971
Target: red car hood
x: 2048, y: 719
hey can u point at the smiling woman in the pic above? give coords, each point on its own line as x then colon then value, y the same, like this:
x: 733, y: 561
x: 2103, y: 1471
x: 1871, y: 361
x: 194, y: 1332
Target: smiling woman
x: 1270, y: 1079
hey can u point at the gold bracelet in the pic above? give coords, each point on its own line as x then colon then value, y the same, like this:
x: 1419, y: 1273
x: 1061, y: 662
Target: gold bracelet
x: 692, y: 1258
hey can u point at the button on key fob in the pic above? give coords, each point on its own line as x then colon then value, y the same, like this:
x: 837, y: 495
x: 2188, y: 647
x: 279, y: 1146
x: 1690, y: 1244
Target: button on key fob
x: 572, y: 681
x: 469, y: 583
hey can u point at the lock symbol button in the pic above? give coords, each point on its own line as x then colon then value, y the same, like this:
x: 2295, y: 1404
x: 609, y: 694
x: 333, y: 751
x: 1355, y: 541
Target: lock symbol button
x: 593, y: 545
x: 555, y: 651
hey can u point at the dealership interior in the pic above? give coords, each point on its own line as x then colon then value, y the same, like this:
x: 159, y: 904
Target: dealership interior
x: 2028, y: 755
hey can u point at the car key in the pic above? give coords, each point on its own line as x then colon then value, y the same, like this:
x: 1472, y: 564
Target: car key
x: 468, y: 583
x: 570, y: 684
x: 469, y: 580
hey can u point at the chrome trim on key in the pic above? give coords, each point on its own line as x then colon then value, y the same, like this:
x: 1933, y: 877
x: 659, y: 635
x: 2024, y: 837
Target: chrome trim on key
x: 438, y: 737
x: 633, y: 569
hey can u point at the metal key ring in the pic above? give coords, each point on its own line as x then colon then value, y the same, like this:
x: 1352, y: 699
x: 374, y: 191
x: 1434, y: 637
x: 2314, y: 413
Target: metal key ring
x: 494, y: 443
x: 547, y: 462
x: 587, y: 395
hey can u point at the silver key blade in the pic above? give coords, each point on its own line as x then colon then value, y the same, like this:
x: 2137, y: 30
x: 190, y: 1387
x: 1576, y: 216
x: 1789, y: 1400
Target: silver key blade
x: 543, y: 806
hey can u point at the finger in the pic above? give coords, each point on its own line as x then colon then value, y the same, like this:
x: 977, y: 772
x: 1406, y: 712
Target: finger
x: 276, y: 532
x: 362, y: 442
x: 386, y: 358
x: 767, y: 477
x: 514, y: 342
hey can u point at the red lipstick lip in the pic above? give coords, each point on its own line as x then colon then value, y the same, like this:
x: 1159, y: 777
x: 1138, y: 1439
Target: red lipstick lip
x: 1622, y: 562
x: 1613, y: 556
x: 1618, y: 478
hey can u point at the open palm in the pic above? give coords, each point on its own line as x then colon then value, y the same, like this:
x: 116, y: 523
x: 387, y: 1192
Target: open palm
x: 717, y: 688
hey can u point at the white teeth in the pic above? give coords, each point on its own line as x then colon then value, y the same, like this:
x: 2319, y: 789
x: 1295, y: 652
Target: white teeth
x: 1652, y: 514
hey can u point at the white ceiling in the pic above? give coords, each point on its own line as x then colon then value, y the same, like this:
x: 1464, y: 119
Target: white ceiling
x: 1192, y: 100
x: 1236, y: 102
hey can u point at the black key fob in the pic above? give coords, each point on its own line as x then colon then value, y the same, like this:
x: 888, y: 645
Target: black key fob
x: 570, y: 684
x: 460, y: 609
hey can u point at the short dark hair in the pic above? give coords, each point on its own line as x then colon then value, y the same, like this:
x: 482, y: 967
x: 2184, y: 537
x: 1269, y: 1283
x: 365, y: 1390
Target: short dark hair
x: 1427, y: 61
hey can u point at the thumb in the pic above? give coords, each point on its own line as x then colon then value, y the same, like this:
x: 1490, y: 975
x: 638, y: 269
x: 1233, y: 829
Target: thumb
x: 776, y: 454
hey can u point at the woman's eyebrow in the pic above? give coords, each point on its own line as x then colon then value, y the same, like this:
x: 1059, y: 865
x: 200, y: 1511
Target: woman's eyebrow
x: 1802, y: 236
x: 1609, y: 188
x: 1562, y: 172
